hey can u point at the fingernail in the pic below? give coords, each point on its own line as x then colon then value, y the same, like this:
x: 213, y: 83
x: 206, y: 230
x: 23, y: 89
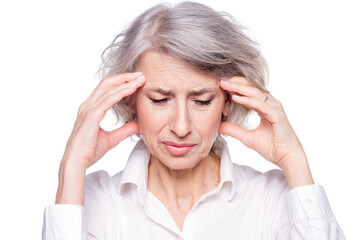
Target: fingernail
x: 237, y: 97
x: 225, y: 81
x: 140, y: 78
x: 137, y: 73
x: 132, y: 86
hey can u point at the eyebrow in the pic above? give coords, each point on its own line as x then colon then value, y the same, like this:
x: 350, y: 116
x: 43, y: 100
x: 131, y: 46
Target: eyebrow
x: 192, y: 93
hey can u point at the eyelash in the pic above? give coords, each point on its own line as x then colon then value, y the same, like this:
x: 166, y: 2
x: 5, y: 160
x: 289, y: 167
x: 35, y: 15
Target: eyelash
x: 161, y: 101
x: 203, y: 102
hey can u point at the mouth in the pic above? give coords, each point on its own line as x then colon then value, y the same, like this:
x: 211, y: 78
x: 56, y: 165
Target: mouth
x: 178, y: 148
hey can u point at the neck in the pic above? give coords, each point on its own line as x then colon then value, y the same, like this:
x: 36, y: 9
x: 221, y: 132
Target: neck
x: 184, y: 186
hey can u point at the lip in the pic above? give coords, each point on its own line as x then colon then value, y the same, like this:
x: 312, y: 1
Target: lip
x: 178, y: 148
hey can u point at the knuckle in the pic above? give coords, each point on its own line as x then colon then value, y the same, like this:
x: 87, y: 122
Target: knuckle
x: 105, y: 80
x: 279, y: 116
x: 280, y: 106
x: 81, y: 109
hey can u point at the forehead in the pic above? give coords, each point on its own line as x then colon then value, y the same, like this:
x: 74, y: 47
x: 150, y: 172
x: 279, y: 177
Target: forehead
x: 166, y: 71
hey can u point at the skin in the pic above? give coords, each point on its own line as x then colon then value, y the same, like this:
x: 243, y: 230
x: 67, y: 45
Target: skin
x: 88, y: 142
x: 178, y: 181
x: 274, y: 138
x: 181, y: 117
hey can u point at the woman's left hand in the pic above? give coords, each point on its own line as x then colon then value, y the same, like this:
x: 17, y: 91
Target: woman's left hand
x: 274, y: 138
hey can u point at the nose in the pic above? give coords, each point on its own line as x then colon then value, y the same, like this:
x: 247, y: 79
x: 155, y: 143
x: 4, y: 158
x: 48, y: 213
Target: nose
x: 180, y: 123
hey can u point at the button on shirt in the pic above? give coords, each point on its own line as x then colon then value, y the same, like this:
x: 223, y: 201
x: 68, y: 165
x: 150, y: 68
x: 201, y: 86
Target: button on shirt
x: 247, y: 204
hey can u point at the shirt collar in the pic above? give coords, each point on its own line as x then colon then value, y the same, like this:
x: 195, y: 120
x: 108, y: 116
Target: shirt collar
x: 226, y: 170
x: 136, y: 169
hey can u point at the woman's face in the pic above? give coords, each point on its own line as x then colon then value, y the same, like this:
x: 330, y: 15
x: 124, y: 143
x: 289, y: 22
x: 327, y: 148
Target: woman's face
x: 179, y: 110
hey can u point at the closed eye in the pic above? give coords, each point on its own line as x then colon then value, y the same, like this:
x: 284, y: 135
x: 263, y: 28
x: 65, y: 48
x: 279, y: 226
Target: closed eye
x: 164, y: 100
x: 159, y: 101
x: 203, y: 103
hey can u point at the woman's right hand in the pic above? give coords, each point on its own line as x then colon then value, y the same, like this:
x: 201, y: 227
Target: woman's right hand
x: 88, y: 142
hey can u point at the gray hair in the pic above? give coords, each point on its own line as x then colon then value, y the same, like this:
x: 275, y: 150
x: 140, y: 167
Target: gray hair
x: 208, y: 41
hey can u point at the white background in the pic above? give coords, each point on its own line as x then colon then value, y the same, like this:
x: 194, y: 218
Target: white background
x: 50, y: 52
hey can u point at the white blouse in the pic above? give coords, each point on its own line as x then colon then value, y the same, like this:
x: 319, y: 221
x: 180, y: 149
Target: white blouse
x: 247, y: 204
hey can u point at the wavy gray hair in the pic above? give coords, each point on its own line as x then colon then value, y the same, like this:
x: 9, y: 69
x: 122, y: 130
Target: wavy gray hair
x: 208, y: 41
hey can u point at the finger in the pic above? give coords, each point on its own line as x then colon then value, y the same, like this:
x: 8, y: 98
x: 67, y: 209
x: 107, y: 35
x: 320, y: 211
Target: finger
x: 140, y: 81
x: 238, y: 79
x: 116, y: 80
x: 235, y: 131
x: 126, y: 130
x: 242, y: 87
x: 109, y: 99
x: 96, y: 113
x: 120, y: 78
x: 110, y: 82
x: 125, y: 84
x: 271, y: 112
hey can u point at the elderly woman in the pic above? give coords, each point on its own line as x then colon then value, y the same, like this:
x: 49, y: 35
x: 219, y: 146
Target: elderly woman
x: 180, y: 77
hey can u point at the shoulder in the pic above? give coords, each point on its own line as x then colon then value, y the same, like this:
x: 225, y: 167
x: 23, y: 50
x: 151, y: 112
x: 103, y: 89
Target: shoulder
x: 272, y: 181
x: 99, y: 183
x: 99, y: 207
x: 97, y: 180
x: 99, y: 193
x: 250, y: 174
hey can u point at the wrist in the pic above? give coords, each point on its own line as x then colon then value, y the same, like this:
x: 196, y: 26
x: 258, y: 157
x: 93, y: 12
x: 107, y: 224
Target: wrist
x: 297, y: 172
x: 71, y: 184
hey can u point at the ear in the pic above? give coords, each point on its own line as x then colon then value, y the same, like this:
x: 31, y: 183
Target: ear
x: 131, y: 103
x: 227, y: 104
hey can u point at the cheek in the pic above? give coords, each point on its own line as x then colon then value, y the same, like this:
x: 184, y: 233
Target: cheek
x: 208, y: 122
x: 150, y: 121
x: 148, y: 114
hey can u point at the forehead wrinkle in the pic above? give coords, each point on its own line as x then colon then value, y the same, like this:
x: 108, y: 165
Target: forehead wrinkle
x: 163, y: 70
x: 165, y: 66
x: 156, y: 63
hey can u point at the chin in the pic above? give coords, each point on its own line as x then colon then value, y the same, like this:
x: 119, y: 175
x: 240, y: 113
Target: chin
x: 182, y: 163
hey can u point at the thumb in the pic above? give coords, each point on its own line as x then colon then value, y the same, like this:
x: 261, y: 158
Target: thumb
x: 236, y: 132
x: 126, y: 130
